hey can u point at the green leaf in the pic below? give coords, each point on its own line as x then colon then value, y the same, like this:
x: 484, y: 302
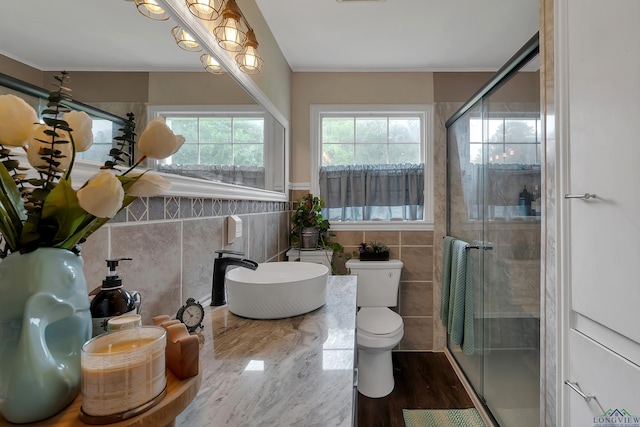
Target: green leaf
x: 89, y: 224
x: 61, y: 209
x: 39, y: 194
x: 56, y: 123
x: 8, y: 231
x: 36, y: 182
x: 11, y: 200
x: 11, y: 164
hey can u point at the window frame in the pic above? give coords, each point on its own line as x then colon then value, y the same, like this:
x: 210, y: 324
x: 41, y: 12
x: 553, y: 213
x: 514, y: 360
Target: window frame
x: 424, y: 111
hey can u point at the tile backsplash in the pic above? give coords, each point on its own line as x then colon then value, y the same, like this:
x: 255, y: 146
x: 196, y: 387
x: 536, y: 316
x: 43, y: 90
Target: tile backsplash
x: 172, y: 243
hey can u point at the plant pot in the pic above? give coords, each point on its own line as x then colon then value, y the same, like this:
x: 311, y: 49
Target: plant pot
x: 309, y: 237
x: 374, y: 256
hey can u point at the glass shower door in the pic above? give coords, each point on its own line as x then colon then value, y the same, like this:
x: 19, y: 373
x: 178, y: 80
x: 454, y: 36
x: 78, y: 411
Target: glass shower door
x: 512, y: 182
x: 493, y: 187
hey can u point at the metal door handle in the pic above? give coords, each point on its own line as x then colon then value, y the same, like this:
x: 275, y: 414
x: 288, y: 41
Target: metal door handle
x: 585, y: 196
x: 575, y: 387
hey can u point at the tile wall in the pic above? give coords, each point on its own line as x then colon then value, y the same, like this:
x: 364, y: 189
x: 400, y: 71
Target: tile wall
x: 172, y: 243
x: 415, y: 301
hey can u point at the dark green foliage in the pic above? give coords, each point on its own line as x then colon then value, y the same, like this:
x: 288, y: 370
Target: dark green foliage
x: 122, y: 154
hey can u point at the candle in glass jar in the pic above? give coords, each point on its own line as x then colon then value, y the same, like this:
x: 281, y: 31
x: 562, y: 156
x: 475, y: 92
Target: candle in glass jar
x: 122, y: 370
x: 124, y: 346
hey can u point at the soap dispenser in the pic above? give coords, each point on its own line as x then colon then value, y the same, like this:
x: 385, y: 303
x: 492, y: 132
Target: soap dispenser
x: 524, y: 202
x: 112, y: 299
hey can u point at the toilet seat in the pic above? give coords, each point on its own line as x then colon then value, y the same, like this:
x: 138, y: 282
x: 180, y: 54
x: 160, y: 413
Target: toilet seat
x: 378, y: 321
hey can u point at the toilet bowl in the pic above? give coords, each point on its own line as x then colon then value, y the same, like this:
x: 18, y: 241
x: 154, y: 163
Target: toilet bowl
x: 378, y: 331
x: 378, y: 328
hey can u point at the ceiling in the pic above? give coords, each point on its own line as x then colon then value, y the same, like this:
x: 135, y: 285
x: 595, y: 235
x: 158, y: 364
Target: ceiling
x: 400, y: 35
x: 314, y: 35
x: 89, y: 35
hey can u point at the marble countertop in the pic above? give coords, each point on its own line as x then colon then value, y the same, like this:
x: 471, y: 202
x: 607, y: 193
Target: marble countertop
x: 287, y: 372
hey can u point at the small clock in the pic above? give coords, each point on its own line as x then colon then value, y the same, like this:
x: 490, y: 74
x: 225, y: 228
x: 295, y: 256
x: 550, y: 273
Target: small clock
x: 191, y: 314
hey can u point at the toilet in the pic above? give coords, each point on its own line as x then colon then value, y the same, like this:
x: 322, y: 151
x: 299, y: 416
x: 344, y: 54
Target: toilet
x: 378, y: 328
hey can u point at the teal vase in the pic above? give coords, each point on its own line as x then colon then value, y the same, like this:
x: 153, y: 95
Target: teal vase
x: 44, y: 321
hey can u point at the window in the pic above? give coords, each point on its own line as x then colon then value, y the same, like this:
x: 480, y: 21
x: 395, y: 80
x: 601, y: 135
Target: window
x: 222, y: 143
x: 508, y: 140
x: 218, y: 140
x: 104, y: 131
x: 372, y: 162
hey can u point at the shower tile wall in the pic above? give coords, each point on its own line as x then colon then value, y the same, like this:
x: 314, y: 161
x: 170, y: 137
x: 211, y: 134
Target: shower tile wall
x: 443, y: 110
x: 173, y: 240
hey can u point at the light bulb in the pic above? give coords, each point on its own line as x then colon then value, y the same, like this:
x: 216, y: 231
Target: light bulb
x: 185, y: 40
x: 250, y: 60
x: 202, y: 6
x: 153, y: 7
x: 231, y: 32
x: 188, y: 40
x: 210, y: 64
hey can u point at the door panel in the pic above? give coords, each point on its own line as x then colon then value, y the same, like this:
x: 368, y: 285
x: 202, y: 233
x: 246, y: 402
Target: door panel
x: 602, y: 81
x: 604, y: 146
x: 599, y: 372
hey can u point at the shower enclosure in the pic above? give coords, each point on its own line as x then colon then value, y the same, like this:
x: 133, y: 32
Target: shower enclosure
x: 493, y: 202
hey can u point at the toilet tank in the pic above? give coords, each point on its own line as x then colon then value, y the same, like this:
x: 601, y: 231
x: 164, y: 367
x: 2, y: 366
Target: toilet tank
x: 378, y: 282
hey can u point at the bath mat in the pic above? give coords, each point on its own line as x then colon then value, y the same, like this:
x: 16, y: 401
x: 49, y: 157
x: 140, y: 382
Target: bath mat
x: 442, y: 418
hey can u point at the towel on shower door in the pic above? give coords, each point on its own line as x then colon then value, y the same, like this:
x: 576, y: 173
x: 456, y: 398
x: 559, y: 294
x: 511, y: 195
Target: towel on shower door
x: 460, y: 321
x: 447, y: 254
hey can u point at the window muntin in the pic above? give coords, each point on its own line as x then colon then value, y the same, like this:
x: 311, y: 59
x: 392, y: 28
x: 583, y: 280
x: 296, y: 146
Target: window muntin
x: 508, y: 140
x: 372, y: 139
x: 218, y: 139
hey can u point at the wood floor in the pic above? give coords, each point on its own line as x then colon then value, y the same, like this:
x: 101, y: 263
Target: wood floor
x: 422, y: 381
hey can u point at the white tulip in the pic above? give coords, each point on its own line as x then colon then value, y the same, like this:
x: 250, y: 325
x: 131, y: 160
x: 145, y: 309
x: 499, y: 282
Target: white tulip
x: 35, y: 151
x: 102, y: 195
x: 81, y: 125
x: 148, y: 185
x: 158, y: 141
x: 18, y: 119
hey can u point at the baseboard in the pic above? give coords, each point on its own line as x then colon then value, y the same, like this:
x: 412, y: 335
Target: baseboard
x: 470, y: 391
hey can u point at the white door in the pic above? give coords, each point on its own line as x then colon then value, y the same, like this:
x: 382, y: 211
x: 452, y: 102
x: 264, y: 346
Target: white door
x: 599, y: 73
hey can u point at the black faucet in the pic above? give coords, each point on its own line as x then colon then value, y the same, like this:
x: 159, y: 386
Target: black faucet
x: 220, y: 264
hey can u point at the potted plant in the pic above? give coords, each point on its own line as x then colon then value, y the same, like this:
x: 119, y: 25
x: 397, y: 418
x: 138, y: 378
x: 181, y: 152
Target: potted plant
x: 43, y: 219
x: 373, y: 252
x: 308, y: 227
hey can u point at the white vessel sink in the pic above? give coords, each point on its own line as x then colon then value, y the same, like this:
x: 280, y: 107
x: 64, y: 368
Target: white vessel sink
x: 276, y: 290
